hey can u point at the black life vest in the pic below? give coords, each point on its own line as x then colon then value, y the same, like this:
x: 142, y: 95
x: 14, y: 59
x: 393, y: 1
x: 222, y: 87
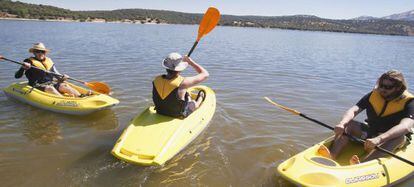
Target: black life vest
x: 39, y: 76
x: 383, y: 115
x: 165, y: 96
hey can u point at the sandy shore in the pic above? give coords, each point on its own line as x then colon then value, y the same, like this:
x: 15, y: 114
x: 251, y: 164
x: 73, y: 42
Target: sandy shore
x: 87, y: 21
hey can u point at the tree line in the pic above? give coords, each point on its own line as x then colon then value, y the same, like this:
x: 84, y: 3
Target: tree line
x: 299, y: 22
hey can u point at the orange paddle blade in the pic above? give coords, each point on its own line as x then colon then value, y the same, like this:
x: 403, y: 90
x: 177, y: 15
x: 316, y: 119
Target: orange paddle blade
x: 209, y: 21
x: 99, y: 87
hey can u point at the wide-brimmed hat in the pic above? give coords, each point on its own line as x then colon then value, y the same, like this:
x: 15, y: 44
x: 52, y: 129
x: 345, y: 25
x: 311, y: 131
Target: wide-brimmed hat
x: 174, y: 62
x: 39, y: 47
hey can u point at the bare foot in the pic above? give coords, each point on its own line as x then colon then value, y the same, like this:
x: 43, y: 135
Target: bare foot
x: 89, y: 93
x: 354, y: 160
x: 201, y: 95
x: 324, y: 152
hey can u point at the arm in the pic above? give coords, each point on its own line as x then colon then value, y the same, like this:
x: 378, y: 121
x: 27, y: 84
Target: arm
x: 351, y: 113
x: 54, y: 70
x: 404, y: 127
x: 19, y: 73
x: 64, y: 76
x: 346, y: 118
x: 401, y: 129
x: 200, y: 77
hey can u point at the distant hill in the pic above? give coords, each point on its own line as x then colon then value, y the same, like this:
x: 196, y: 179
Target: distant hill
x: 405, y: 16
x: 17, y: 10
x: 24, y: 10
x: 408, y: 16
x: 362, y: 18
x: 313, y: 23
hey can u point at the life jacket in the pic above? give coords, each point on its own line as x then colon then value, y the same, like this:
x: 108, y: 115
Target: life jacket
x: 386, y: 114
x: 165, y: 96
x: 47, y: 64
x: 38, y: 76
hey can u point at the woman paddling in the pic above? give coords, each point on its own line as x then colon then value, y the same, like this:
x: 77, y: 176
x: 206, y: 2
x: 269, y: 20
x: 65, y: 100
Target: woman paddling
x: 170, y: 90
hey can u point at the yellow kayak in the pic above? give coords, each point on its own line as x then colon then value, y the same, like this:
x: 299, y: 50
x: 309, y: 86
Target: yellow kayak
x: 67, y: 105
x: 309, y: 169
x: 153, y: 139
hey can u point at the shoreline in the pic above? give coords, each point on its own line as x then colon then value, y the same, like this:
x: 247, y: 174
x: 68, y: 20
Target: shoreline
x: 86, y: 21
x: 163, y: 23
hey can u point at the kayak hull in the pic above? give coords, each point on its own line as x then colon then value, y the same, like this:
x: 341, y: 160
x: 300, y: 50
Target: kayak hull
x: 309, y: 169
x: 67, y: 105
x: 153, y: 139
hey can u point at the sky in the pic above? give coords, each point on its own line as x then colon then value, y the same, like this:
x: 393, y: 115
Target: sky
x: 332, y: 9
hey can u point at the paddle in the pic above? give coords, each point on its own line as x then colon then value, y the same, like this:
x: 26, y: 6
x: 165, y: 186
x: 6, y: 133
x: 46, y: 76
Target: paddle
x: 95, y: 86
x: 208, y: 22
x: 329, y: 127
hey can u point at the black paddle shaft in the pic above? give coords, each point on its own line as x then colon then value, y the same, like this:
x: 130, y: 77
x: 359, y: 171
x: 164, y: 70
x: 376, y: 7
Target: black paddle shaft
x: 192, y: 48
x: 359, y: 140
x: 49, y: 72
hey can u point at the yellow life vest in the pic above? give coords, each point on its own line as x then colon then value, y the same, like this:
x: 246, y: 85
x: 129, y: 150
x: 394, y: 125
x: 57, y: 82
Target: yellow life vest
x: 164, y: 86
x: 47, y: 64
x: 393, y: 106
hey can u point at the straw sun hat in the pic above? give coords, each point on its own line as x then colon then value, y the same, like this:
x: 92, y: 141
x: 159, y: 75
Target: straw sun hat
x: 174, y: 62
x: 39, y: 47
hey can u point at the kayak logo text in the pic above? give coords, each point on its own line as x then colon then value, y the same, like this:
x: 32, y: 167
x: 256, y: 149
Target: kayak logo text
x: 361, y: 178
x: 67, y: 103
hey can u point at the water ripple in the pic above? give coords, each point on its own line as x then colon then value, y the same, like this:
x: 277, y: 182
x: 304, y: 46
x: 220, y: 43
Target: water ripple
x: 318, y: 73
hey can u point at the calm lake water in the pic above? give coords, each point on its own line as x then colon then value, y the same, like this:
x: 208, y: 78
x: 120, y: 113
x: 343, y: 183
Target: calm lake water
x: 318, y: 73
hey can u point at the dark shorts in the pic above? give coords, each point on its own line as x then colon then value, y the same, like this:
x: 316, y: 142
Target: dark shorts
x: 365, y: 131
x: 358, y: 130
x: 189, y: 108
x: 43, y: 86
x: 367, y: 134
x: 190, y: 105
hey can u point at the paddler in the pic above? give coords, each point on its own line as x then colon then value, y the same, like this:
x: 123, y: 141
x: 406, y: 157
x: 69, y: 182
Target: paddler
x: 390, y: 111
x: 40, y: 79
x: 169, y: 92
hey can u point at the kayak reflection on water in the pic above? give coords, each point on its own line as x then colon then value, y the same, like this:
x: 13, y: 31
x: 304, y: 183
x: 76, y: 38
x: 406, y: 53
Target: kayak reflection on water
x: 42, y: 131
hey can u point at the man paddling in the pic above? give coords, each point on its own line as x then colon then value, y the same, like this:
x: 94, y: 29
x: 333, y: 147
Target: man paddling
x: 390, y: 112
x: 40, y: 79
x: 170, y: 94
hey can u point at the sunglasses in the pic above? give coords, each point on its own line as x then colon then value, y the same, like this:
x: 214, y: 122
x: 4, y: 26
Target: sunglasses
x: 386, y: 87
x: 38, y: 51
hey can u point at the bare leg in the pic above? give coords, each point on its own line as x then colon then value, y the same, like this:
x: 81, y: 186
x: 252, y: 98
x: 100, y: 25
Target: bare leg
x: 194, y: 104
x: 390, y: 145
x: 65, y: 88
x: 199, y: 100
x: 52, y: 90
x: 353, y: 128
